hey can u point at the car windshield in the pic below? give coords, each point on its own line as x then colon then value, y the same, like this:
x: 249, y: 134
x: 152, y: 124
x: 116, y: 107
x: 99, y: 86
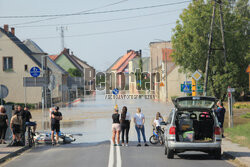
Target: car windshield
x: 195, y: 102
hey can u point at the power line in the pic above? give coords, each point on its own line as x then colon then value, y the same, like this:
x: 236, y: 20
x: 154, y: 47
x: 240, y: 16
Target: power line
x: 100, y: 12
x: 103, y: 20
x: 36, y: 21
x: 103, y: 33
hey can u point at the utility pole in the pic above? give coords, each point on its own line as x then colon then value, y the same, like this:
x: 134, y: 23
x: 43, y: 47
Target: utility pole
x: 209, y: 49
x: 62, y: 29
x: 211, y: 40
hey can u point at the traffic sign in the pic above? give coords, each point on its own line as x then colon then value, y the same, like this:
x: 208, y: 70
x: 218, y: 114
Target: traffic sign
x: 34, y: 82
x: 199, y: 88
x: 3, y: 91
x: 197, y: 75
x: 230, y: 90
x: 35, y: 71
x: 161, y: 84
x: 115, y: 91
x: 186, y: 88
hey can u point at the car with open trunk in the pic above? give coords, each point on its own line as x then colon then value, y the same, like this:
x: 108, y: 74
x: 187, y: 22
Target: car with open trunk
x: 193, y: 126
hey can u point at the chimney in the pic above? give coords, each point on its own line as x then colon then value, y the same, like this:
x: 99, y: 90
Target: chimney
x: 6, y: 27
x: 67, y: 50
x: 13, y: 31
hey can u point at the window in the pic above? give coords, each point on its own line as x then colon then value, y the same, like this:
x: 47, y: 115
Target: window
x: 7, y: 63
x: 25, y: 67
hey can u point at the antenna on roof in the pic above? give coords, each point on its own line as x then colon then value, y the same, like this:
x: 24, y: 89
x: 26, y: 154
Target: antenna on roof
x: 62, y: 28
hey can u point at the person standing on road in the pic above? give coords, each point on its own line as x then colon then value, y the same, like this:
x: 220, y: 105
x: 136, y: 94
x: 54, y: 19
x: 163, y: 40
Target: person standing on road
x: 125, y: 124
x: 56, y: 117
x: 3, y: 124
x: 139, y: 121
x: 220, y: 113
x: 116, y: 128
x: 16, y: 126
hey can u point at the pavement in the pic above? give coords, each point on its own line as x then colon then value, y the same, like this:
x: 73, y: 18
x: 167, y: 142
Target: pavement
x: 236, y: 152
x: 10, y: 152
x: 104, y: 154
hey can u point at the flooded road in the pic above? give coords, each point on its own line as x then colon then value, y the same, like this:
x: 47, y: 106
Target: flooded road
x: 92, y: 117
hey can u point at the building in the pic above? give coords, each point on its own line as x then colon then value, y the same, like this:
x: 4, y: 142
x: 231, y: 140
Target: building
x: 166, y: 78
x: 83, y: 82
x: 117, y: 75
x: 134, y: 66
x: 15, y: 63
x: 58, y: 76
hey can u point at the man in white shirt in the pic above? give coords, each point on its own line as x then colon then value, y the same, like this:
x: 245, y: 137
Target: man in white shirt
x: 139, y: 120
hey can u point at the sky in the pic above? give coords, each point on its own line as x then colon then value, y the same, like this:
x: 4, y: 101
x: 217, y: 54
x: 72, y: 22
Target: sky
x: 98, y: 37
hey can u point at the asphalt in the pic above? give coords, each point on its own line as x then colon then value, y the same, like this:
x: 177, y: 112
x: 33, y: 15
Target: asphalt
x: 103, y: 154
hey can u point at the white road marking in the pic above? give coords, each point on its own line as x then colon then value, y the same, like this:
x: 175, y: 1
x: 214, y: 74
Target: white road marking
x: 118, y: 157
x: 111, y: 155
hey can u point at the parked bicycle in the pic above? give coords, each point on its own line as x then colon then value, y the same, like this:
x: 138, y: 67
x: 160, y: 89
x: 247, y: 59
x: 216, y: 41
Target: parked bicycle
x: 157, y: 137
x: 30, y: 139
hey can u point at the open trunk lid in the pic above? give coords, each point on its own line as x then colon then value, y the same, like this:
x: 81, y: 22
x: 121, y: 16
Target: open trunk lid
x: 194, y: 103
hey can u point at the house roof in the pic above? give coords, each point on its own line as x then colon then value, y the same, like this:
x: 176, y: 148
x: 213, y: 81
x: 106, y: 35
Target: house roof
x: 248, y: 69
x: 22, y: 46
x: 53, y: 57
x: 65, y: 52
x: 110, y: 68
x: 123, y: 62
x: 81, y: 61
x: 33, y: 46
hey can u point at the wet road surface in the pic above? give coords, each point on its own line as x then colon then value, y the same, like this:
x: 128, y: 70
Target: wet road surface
x: 92, y: 119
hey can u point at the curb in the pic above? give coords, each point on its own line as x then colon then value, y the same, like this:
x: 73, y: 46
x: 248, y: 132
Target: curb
x: 14, y: 154
x: 229, y: 156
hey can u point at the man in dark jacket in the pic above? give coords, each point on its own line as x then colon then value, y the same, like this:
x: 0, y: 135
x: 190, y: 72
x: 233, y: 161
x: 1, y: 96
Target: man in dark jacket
x: 220, y: 113
x: 56, y: 117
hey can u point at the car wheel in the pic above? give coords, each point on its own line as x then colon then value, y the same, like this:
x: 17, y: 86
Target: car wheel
x: 217, y: 153
x: 170, y: 153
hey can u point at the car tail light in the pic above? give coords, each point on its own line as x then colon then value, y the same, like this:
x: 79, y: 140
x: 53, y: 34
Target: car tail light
x: 172, y: 130
x: 217, y: 130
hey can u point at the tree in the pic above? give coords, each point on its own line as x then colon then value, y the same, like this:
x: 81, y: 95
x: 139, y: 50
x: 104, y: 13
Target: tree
x: 190, y: 45
x: 73, y: 72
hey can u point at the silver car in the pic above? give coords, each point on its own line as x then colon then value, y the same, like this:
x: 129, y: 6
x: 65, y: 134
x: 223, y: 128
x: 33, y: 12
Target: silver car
x: 193, y: 126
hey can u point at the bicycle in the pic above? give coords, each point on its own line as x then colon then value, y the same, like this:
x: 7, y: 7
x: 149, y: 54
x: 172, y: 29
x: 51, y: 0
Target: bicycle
x: 157, y: 137
x: 30, y: 139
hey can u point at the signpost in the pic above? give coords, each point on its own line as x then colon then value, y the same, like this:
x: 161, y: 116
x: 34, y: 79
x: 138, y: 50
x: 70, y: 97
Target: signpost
x: 230, y: 106
x: 186, y: 88
x: 196, y: 77
x: 3, y: 92
x: 115, y: 92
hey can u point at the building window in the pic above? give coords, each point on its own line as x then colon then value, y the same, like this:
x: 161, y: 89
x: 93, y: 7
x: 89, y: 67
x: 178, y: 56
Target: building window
x: 25, y: 67
x: 7, y: 63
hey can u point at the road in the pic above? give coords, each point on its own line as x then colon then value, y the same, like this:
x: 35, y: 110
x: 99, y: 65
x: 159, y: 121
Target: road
x: 92, y: 119
x: 99, y: 155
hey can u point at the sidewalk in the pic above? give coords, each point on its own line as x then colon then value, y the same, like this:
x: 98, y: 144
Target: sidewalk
x: 237, y: 152
x: 9, y: 152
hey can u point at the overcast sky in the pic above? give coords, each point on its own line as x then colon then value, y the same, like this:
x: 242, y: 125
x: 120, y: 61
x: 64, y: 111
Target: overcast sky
x: 97, y: 38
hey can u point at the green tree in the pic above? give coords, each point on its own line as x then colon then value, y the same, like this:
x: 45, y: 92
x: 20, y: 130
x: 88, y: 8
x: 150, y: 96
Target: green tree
x: 190, y: 44
x: 73, y: 72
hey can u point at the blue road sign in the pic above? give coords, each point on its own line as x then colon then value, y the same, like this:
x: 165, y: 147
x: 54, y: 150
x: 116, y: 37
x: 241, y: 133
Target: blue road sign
x: 115, y: 91
x: 35, y: 71
x: 186, y: 88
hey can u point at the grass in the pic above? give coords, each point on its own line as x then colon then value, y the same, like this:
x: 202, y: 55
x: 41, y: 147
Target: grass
x: 240, y: 134
x: 247, y: 115
x: 242, y: 105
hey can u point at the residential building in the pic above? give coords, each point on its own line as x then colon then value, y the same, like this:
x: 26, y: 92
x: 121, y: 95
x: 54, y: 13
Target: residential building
x: 16, y: 60
x: 166, y: 78
x: 117, y: 76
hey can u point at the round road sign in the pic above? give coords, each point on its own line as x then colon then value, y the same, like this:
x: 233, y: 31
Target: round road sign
x: 3, y: 91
